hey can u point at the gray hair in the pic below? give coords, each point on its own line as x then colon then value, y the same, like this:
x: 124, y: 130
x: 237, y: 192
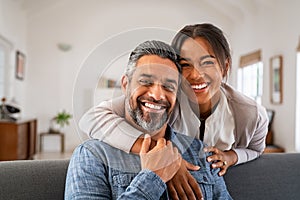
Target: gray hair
x: 152, y: 47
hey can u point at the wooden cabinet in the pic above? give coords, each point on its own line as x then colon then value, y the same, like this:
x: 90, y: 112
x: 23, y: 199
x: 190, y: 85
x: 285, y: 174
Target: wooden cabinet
x: 270, y: 147
x: 18, y: 139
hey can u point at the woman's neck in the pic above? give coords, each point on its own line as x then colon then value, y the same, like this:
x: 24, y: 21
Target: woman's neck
x: 203, y: 111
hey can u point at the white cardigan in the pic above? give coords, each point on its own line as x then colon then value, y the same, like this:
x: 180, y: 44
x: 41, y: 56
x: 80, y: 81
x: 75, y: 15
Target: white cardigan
x: 238, y: 123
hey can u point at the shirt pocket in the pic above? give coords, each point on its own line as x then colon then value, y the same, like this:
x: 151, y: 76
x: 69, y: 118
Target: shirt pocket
x: 120, y: 181
x: 206, y: 182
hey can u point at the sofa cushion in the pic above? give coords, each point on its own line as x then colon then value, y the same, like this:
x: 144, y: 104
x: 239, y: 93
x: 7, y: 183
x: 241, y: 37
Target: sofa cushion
x: 33, y: 179
x: 272, y: 176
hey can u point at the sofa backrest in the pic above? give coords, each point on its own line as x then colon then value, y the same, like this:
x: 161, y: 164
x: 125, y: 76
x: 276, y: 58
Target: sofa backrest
x: 33, y: 179
x: 272, y: 176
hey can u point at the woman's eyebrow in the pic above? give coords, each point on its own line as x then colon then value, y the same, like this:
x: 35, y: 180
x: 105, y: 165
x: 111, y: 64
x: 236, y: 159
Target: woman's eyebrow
x: 184, y: 59
x: 206, y: 56
x: 201, y: 58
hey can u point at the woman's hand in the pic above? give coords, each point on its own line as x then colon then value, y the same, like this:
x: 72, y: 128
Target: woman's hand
x: 221, y: 159
x: 183, y: 185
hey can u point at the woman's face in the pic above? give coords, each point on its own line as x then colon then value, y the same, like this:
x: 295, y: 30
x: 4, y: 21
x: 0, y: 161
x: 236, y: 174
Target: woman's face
x: 202, y: 71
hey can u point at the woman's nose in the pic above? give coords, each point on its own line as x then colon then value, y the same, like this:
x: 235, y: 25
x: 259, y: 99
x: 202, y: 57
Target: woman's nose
x: 196, y: 73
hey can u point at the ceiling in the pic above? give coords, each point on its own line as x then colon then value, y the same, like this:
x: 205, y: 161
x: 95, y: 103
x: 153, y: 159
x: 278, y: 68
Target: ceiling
x: 234, y: 10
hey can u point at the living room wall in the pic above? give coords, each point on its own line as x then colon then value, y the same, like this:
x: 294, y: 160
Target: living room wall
x: 51, y: 73
x: 275, y: 32
x: 13, y: 28
x: 85, y: 25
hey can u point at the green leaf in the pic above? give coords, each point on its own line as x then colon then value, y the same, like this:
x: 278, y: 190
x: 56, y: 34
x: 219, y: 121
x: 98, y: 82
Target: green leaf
x: 62, y: 118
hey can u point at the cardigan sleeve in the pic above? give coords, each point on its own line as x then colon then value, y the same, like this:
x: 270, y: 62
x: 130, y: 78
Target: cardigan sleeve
x: 257, y: 143
x: 106, y: 122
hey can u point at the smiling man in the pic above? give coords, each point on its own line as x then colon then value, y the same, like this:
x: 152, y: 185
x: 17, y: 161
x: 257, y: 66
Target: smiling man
x: 100, y: 171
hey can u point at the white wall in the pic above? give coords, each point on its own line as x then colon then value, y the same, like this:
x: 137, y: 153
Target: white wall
x: 51, y: 75
x: 85, y: 25
x: 13, y: 27
x: 274, y: 31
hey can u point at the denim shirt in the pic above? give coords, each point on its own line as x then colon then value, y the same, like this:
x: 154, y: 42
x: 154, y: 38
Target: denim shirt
x: 100, y: 171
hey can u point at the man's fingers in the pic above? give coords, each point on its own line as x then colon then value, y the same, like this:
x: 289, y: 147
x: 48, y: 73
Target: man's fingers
x: 146, y: 144
x: 161, y: 142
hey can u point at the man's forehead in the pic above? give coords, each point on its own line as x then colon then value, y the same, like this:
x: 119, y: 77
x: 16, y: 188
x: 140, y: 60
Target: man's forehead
x: 155, y: 60
x: 157, y: 70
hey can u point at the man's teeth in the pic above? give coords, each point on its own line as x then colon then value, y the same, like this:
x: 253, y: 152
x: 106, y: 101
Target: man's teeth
x: 200, y: 86
x: 149, y: 105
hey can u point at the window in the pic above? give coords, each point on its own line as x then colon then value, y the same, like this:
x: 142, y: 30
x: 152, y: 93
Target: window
x: 6, y: 70
x: 297, y: 139
x: 250, y: 76
x: 2, y: 71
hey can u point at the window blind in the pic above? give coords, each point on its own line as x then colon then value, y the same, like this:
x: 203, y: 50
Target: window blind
x: 250, y: 58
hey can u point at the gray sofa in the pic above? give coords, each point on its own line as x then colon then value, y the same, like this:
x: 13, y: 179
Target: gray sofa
x: 272, y: 176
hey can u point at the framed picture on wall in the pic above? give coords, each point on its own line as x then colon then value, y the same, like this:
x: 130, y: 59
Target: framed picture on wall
x: 20, y: 65
x: 276, y: 79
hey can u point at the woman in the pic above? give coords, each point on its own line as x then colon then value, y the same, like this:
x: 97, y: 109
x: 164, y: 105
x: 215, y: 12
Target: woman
x: 233, y: 125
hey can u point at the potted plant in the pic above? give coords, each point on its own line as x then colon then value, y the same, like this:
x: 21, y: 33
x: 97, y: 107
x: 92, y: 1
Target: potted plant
x: 58, y: 122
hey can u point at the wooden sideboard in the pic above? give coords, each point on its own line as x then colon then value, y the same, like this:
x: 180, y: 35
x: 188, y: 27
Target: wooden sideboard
x: 18, y: 139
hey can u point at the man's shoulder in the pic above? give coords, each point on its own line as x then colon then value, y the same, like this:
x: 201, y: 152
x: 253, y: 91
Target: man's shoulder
x: 98, y: 148
x: 184, y: 142
x: 98, y: 144
x: 95, y: 143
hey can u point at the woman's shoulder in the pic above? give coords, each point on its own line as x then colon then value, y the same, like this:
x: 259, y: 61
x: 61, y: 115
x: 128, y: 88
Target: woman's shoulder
x: 235, y: 97
x: 243, y: 107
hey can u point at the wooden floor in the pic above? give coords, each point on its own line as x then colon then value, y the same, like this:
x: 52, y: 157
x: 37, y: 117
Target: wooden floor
x: 52, y: 155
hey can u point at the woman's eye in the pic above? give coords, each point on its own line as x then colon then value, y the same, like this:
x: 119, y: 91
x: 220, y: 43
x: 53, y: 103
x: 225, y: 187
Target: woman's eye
x: 184, y: 64
x: 208, y: 62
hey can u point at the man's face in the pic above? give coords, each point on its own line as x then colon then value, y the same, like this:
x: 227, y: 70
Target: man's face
x: 151, y: 92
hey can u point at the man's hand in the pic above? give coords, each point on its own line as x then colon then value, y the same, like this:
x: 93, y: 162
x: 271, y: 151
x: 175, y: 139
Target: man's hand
x: 163, y: 159
x: 183, y: 185
x: 221, y: 159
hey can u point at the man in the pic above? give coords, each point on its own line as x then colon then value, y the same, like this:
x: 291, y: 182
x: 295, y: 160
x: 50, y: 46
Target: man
x: 98, y: 170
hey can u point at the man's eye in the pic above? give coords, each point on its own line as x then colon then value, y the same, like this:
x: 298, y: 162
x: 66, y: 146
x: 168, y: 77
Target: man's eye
x: 145, y: 82
x: 170, y: 87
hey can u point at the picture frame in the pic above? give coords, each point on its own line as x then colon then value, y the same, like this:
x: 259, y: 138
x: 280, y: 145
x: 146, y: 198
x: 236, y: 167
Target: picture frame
x: 276, y: 79
x: 20, y: 65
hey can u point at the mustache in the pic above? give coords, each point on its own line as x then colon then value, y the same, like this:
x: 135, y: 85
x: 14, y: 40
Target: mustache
x: 151, y: 99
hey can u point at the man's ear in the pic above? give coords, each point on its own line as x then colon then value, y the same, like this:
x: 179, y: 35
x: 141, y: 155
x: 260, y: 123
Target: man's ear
x: 124, y: 83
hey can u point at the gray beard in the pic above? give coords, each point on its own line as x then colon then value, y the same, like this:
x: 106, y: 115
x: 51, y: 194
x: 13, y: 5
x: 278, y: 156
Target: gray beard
x: 156, y: 121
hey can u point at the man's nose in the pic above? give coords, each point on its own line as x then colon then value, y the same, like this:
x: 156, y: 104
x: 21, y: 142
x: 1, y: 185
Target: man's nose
x: 157, y: 92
